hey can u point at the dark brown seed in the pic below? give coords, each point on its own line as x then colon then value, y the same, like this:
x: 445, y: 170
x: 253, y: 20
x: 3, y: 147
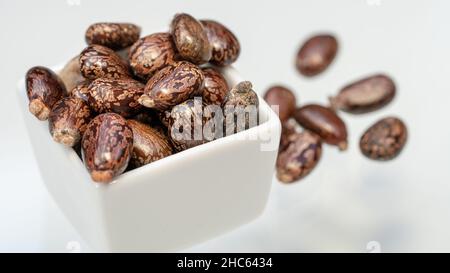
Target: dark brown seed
x: 366, y: 95
x: 172, y: 85
x: 316, y: 54
x: 288, y: 128
x: 284, y: 98
x: 215, y: 87
x: 113, y: 35
x: 149, y: 144
x: 44, y: 89
x: 152, y: 53
x: 115, y: 95
x: 71, y: 74
x: 324, y: 122
x: 81, y: 90
x: 97, y: 61
x: 225, y: 46
x: 190, y: 39
x: 68, y: 120
x: 241, y: 106
x: 107, y: 145
x: 384, y: 140
x: 298, y: 159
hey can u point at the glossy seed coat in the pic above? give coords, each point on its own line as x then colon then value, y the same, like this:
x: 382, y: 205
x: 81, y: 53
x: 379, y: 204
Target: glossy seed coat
x: 225, y: 46
x: 112, y: 35
x: 316, y: 54
x: 215, y: 87
x: 81, y: 91
x: 284, y: 98
x: 97, y: 61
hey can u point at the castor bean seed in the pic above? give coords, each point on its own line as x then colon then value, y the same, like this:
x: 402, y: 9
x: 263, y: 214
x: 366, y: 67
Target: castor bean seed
x: 172, y: 85
x: 190, y: 39
x: 115, y: 95
x: 316, y: 54
x: 225, y: 46
x: 324, y: 122
x: 81, y: 90
x: 149, y: 144
x: 366, y: 95
x: 107, y: 145
x: 113, y: 35
x: 71, y: 74
x: 152, y: 53
x: 284, y: 98
x: 384, y: 140
x: 68, y: 120
x: 44, y: 89
x: 300, y: 156
x: 288, y: 128
x: 97, y: 61
x: 215, y: 87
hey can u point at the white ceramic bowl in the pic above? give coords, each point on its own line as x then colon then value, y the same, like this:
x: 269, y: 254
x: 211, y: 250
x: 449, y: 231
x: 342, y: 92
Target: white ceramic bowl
x: 169, y: 204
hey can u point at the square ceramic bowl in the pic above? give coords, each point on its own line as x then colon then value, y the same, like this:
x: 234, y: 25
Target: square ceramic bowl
x: 167, y: 205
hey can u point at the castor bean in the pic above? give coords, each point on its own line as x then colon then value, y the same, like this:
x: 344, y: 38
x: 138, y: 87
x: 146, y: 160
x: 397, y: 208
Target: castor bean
x: 81, y: 90
x: 97, y: 61
x: 68, y: 120
x: 107, y: 145
x: 299, y: 157
x: 284, y: 98
x: 215, y: 87
x: 225, y: 46
x: 71, y: 74
x: 172, y: 85
x: 152, y: 53
x: 316, y: 54
x: 241, y: 107
x: 190, y: 39
x: 385, y: 139
x: 149, y: 144
x: 366, y: 95
x: 115, y: 95
x: 44, y: 89
x: 288, y: 128
x: 113, y: 35
x: 324, y: 122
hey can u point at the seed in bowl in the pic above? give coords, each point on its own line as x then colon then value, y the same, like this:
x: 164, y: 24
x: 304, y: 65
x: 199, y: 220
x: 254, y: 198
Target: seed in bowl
x: 97, y: 61
x: 215, y: 87
x: 81, y: 90
x: 225, y: 46
x: 113, y: 35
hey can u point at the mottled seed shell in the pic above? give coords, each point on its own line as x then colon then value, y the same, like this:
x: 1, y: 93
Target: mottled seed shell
x: 148, y: 144
x: 235, y: 103
x: 215, y: 87
x: 324, y: 122
x: 284, y: 98
x: 71, y: 74
x: 97, y: 61
x: 225, y: 46
x: 152, y: 53
x: 107, y: 145
x: 172, y: 85
x: 68, y: 120
x: 298, y: 159
x: 81, y: 91
x: 115, y: 95
x: 384, y: 140
x: 366, y: 95
x: 113, y: 35
x: 44, y: 89
x: 190, y: 39
x: 288, y: 128
x: 316, y: 54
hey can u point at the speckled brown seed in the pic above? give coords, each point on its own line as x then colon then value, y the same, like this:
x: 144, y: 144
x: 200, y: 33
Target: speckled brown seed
x: 68, y: 120
x: 190, y: 39
x: 81, y: 90
x: 115, y: 95
x: 324, y: 122
x: 107, y: 145
x: 149, y: 144
x: 316, y: 54
x: 225, y: 46
x: 288, y: 128
x: 384, y: 140
x: 241, y: 101
x: 172, y: 85
x: 97, y: 61
x: 298, y: 159
x: 365, y: 95
x: 215, y: 87
x: 152, y: 53
x: 284, y: 98
x: 71, y: 74
x: 113, y: 35
x: 44, y: 89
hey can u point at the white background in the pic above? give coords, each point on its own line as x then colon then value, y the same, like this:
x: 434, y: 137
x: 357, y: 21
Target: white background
x: 348, y: 201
